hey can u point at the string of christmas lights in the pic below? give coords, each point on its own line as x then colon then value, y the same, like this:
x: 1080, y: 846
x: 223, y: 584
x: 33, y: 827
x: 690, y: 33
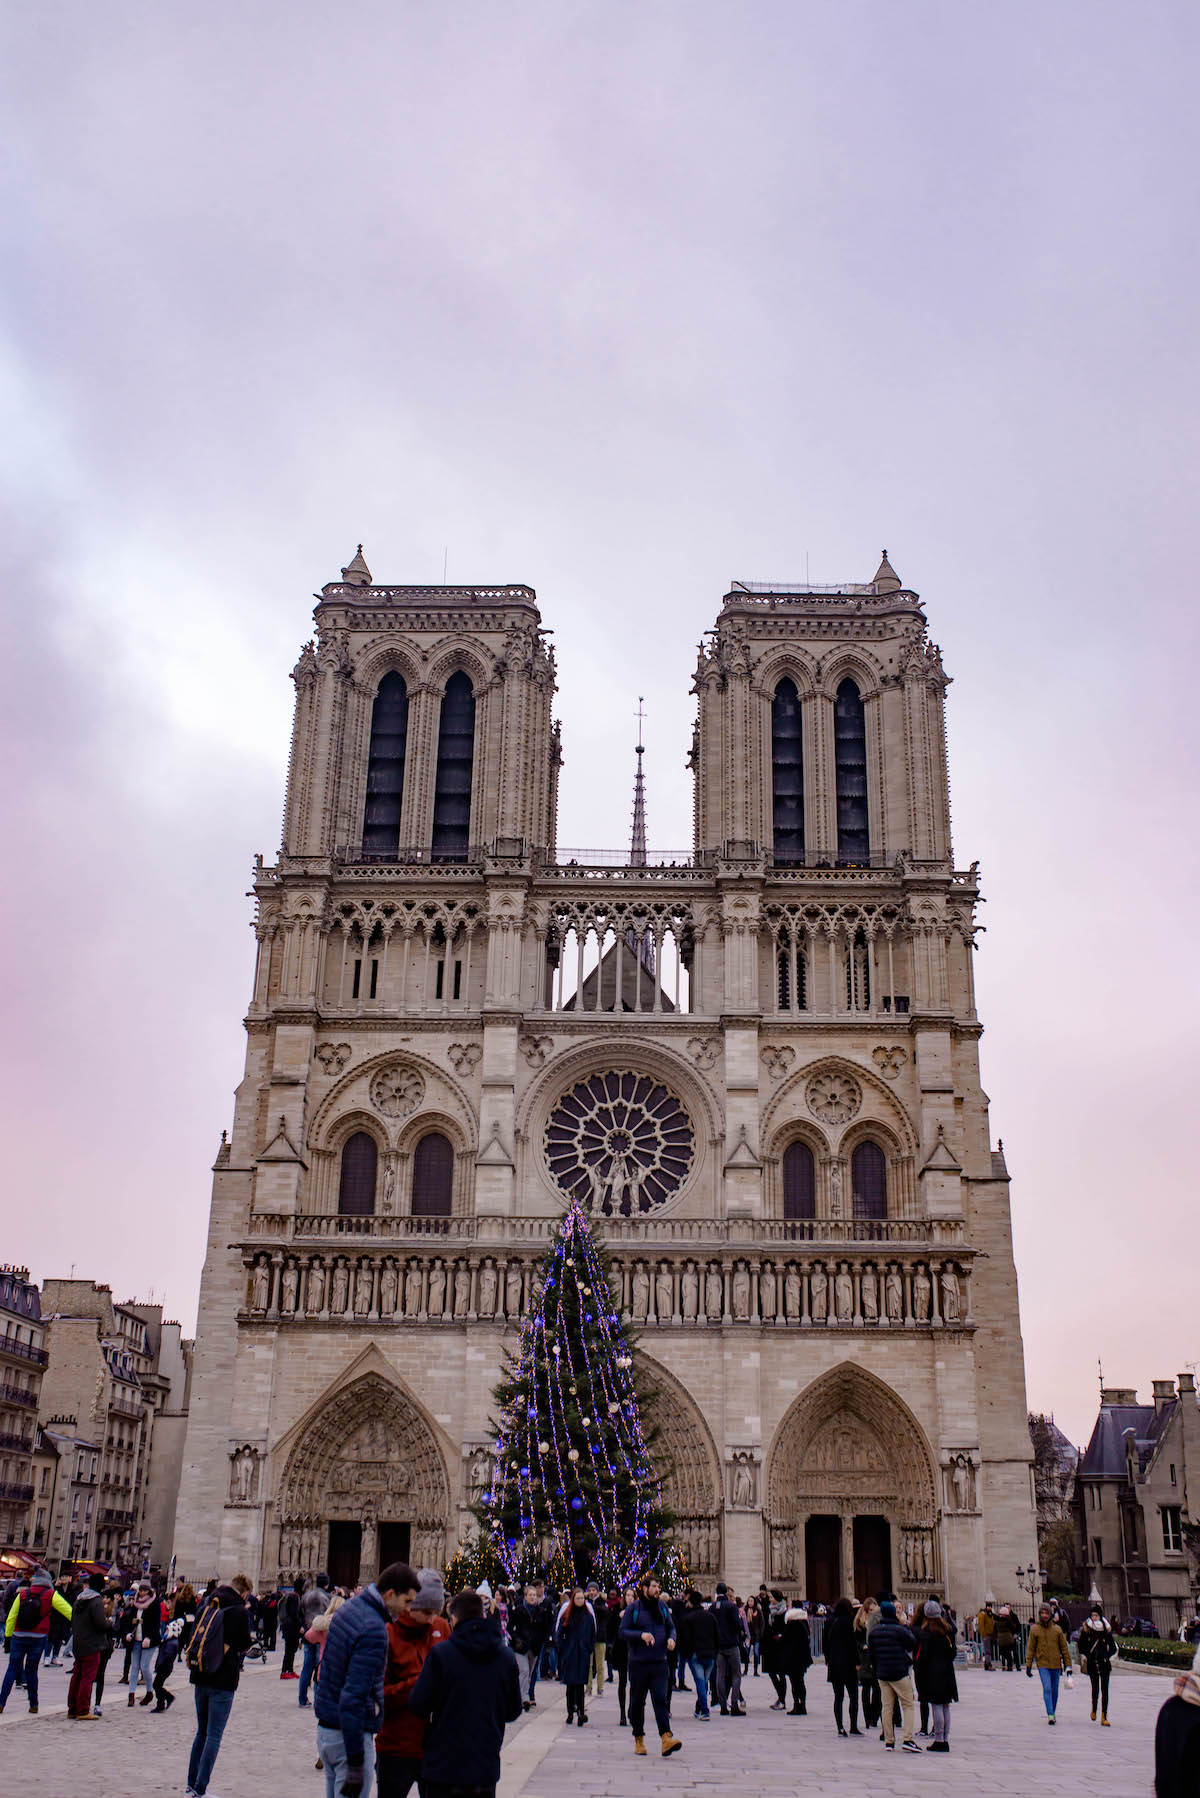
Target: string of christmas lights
x: 572, y: 1472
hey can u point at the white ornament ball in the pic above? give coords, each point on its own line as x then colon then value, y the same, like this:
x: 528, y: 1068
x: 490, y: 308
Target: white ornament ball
x: 572, y: 1454
x: 543, y: 1448
x: 586, y: 1422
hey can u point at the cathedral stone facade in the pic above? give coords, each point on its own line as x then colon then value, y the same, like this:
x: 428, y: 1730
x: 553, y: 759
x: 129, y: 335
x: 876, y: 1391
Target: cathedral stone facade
x: 758, y: 1065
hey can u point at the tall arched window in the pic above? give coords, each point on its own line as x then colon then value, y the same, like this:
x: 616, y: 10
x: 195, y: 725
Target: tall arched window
x: 858, y: 972
x: 433, y: 1176
x: 787, y: 775
x: 799, y: 1181
x: 868, y: 1180
x: 456, y: 755
x: 360, y: 1165
x: 850, y: 757
x: 385, y: 768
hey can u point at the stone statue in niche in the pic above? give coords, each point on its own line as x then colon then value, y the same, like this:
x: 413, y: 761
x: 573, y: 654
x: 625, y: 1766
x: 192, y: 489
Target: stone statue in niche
x: 389, y: 1185
x: 316, y: 1286
x: 689, y: 1293
x: 287, y: 1295
x: 950, y: 1296
x: 487, y: 1289
x: 844, y: 1294
x: 664, y: 1297
x: 906, y: 1557
x: 743, y: 1483
x: 768, y: 1293
x: 261, y: 1286
x: 784, y: 1545
x: 412, y: 1290
x: 462, y: 1290
x: 962, y: 1483
x: 820, y: 1294
x: 894, y: 1297
x: 437, y: 1289
x: 341, y: 1288
x: 921, y: 1290
x: 243, y: 1476
x: 479, y: 1471
x: 713, y: 1297
x: 870, y: 1296
x: 641, y: 1294
x: 835, y: 1188
x: 791, y: 1292
x: 387, y: 1290
x: 741, y: 1292
x: 512, y: 1289
x: 362, y: 1290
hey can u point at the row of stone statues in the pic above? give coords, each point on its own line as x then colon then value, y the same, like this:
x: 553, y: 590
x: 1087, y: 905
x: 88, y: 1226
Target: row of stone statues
x: 366, y: 1288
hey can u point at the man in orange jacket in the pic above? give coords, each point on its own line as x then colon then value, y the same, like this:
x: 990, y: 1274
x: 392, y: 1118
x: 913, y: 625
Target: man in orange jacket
x: 400, y: 1742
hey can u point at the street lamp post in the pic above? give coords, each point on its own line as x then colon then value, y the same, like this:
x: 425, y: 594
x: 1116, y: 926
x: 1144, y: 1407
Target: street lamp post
x: 1031, y: 1579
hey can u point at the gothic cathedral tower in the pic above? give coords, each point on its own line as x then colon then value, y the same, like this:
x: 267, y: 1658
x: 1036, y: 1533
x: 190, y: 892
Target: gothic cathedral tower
x: 759, y: 1067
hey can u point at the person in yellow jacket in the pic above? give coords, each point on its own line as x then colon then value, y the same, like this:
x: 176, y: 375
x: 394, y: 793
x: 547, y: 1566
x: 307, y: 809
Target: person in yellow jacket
x: 1050, y: 1651
x: 27, y: 1630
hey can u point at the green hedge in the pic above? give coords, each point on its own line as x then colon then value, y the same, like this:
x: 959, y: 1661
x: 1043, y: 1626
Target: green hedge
x: 1153, y: 1651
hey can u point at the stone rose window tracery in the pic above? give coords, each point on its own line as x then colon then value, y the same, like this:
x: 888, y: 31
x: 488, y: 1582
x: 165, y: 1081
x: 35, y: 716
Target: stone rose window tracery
x: 620, y: 1143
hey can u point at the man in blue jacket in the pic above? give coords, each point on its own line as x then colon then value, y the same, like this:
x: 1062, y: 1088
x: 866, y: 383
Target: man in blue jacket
x: 890, y: 1646
x: 467, y: 1691
x: 350, y: 1689
x: 649, y: 1630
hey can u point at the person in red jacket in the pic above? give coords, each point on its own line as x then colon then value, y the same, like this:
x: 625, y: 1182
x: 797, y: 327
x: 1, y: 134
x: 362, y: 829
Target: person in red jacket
x: 27, y: 1629
x: 400, y: 1743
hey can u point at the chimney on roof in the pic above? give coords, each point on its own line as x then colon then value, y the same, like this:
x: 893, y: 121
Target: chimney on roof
x: 1118, y: 1395
x: 1164, y: 1394
x: 1187, y: 1383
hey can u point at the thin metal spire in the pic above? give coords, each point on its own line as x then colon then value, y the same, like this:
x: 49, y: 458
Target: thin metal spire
x: 637, y: 846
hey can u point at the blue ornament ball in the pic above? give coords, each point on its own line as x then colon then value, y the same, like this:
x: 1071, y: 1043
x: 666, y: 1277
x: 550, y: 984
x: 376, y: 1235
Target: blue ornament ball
x: 577, y: 1505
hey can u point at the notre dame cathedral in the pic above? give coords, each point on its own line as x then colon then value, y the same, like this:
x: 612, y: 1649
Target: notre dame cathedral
x: 758, y: 1064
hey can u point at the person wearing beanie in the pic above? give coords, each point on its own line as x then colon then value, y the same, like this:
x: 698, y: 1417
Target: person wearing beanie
x: 92, y: 1635
x: 933, y: 1666
x: 1177, y: 1739
x: 27, y: 1630
x: 430, y: 1600
x: 313, y: 1604
x: 890, y: 1646
x: 1097, y: 1646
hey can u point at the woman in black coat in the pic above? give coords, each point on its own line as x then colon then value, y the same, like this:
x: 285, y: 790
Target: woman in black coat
x: 1097, y: 1646
x: 797, y: 1656
x: 841, y: 1663
x: 618, y: 1654
x: 574, y: 1641
x: 772, y: 1650
x: 933, y: 1665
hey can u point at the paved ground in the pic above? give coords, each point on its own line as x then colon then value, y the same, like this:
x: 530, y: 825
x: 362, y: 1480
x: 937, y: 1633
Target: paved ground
x: 999, y: 1738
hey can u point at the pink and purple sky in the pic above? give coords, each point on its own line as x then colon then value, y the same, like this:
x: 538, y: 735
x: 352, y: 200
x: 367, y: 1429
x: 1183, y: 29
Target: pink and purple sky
x: 623, y: 301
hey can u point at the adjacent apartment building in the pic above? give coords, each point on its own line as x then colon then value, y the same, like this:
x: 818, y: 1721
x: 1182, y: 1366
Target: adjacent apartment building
x: 22, y: 1359
x: 1132, y: 1511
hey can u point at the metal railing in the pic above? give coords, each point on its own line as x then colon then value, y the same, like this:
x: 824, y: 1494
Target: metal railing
x: 9, y: 1439
x: 16, y: 1395
x: 11, y: 1491
x: 23, y: 1351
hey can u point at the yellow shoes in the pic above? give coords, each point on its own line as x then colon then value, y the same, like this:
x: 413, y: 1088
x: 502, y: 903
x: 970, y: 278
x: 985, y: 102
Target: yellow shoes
x: 639, y: 1744
x: 670, y: 1744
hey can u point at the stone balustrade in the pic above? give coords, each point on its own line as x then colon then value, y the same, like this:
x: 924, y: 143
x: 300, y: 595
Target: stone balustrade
x: 618, y: 1231
x: 901, y: 1285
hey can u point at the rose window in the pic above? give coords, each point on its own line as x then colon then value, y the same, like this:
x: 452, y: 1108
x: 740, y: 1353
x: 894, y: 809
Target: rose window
x: 620, y: 1143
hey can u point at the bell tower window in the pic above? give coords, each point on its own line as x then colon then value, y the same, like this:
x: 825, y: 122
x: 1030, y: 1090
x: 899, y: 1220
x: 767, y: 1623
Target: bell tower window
x: 787, y: 775
x: 385, y: 769
x: 360, y: 1166
x: 433, y: 1176
x: 799, y: 1181
x: 850, y: 757
x: 868, y: 1181
x: 455, y: 762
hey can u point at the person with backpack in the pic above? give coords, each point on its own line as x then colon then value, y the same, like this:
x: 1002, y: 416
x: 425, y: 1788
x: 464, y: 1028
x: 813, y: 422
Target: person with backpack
x: 216, y: 1648
x: 174, y: 1642
x: 27, y: 1630
x: 890, y: 1647
x: 468, y: 1691
x: 648, y: 1629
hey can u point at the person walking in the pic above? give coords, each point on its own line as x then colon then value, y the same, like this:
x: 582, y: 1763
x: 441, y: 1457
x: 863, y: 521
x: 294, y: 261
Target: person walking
x: 618, y: 1656
x: 729, y: 1657
x: 1050, y: 1651
x: 467, y: 1693
x: 291, y: 1627
x: 841, y: 1664
x: 697, y: 1649
x: 1097, y: 1646
x: 215, y: 1651
x: 574, y: 1644
x: 1007, y: 1632
x: 91, y: 1634
x: 772, y: 1648
x: 26, y: 1633
x: 145, y: 1639
x: 313, y: 1604
x: 985, y: 1624
x: 600, y: 1646
x: 933, y: 1665
x: 174, y: 1641
x: 401, y: 1740
x: 350, y: 1688
x: 1177, y: 1739
x: 797, y: 1655
x: 522, y: 1628
x: 890, y: 1646
x: 647, y: 1629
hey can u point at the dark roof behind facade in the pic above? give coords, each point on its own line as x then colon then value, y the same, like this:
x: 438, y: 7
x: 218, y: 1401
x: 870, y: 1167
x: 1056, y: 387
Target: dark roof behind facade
x: 1104, y: 1457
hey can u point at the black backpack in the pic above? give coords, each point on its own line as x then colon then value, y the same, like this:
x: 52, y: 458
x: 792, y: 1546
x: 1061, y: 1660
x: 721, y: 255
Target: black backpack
x: 206, y: 1644
x: 29, y: 1611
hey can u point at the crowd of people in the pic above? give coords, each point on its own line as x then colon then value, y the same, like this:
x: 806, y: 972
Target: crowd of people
x: 411, y: 1691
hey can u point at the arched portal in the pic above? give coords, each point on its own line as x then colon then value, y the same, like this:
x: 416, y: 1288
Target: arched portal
x: 851, y: 1492
x: 365, y: 1483
x: 686, y: 1456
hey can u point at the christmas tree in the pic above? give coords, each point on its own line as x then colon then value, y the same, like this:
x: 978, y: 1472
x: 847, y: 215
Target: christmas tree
x: 573, y: 1485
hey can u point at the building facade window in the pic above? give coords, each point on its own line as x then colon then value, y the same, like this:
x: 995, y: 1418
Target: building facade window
x: 858, y: 973
x: 385, y: 769
x: 433, y: 1176
x: 868, y: 1181
x: 360, y: 1169
x: 799, y: 1181
x: 787, y: 775
x: 850, y: 761
x: 1172, y: 1529
x: 455, y: 767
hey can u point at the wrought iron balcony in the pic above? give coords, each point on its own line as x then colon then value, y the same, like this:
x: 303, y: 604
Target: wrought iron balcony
x: 23, y: 1351
x: 16, y: 1395
x: 13, y: 1493
x: 10, y: 1439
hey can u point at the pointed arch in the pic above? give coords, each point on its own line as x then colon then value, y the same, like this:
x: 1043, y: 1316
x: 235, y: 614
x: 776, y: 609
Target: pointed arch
x: 455, y: 770
x: 848, y: 1431
x: 787, y: 775
x: 385, y: 768
x: 686, y: 1457
x: 850, y: 763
